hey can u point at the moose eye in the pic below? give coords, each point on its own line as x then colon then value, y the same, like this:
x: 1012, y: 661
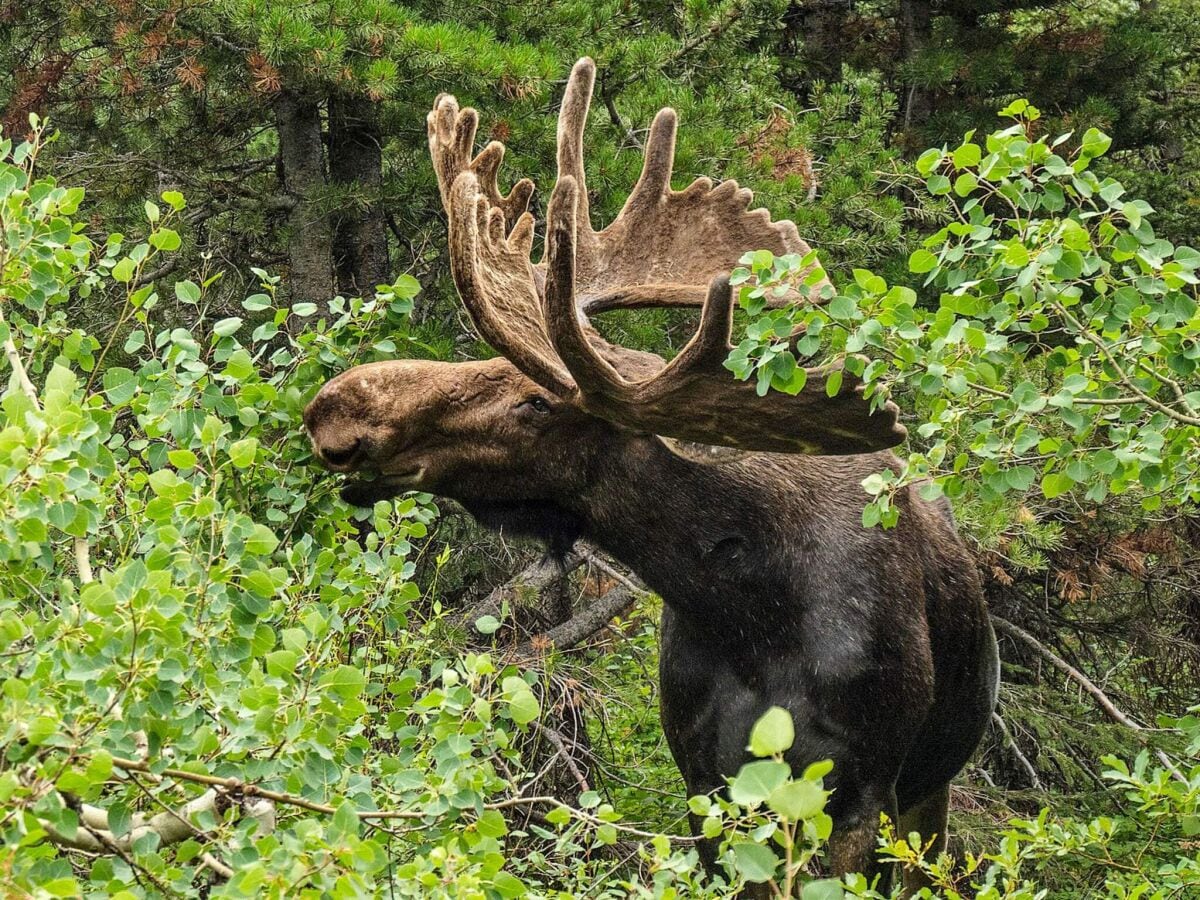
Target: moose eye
x: 537, y: 404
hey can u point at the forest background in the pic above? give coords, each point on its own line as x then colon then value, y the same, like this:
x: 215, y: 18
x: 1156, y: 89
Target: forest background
x: 394, y: 702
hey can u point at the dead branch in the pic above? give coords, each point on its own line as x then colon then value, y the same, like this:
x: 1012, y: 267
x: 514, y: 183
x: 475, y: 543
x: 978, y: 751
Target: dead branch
x: 529, y: 582
x: 1069, y: 670
x: 560, y: 747
x: 584, y: 624
x: 1087, y: 684
x: 1011, y: 744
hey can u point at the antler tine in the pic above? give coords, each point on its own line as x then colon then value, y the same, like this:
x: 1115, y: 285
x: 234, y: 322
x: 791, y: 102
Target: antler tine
x: 658, y: 161
x: 592, y: 373
x: 495, y: 281
x: 572, y: 120
x: 451, y: 142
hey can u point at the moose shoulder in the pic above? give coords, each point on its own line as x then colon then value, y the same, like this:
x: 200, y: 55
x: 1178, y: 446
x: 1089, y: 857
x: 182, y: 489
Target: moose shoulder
x: 877, y: 642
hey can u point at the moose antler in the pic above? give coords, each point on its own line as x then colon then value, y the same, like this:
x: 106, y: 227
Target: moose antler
x: 666, y: 248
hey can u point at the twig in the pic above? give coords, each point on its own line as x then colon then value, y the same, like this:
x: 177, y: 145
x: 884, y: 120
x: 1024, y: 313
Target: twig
x: 1012, y: 745
x: 560, y: 746
x: 1087, y: 684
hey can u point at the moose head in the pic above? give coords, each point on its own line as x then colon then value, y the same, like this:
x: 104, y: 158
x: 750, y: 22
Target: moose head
x: 524, y: 428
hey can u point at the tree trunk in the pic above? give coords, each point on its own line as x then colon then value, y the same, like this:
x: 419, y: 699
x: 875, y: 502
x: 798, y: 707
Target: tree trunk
x: 360, y: 253
x: 915, y: 22
x: 816, y: 30
x: 310, y: 239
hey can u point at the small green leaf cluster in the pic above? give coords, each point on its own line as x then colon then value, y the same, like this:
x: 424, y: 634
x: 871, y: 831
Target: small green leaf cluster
x: 771, y: 824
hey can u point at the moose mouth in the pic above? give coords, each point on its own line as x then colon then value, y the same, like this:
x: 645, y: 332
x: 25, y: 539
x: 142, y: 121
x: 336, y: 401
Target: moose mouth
x: 367, y: 490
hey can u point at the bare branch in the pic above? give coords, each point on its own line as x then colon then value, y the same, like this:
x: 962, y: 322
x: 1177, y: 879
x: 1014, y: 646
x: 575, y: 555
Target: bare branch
x: 583, y: 625
x: 1016, y: 751
x: 530, y: 581
x: 1069, y: 670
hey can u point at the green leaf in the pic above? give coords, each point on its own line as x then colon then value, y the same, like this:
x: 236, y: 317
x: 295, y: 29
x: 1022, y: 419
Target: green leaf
x: 523, y: 707
x: 825, y: 889
x: 164, y: 239
x: 228, y: 326
x: 921, y: 261
x: 797, y: 800
x: 262, y: 542
x: 756, y: 780
x: 407, y: 287
x: 182, y: 459
x: 345, y: 681
x: 1056, y: 484
x: 487, y: 624
x: 841, y: 307
x: 833, y: 383
x: 119, y: 819
x: 256, y: 302
x: 1095, y: 143
x: 120, y: 384
x: 345, y: 822
x: 282, y: 662
x: 967, y: 156
x: 772, y: 733
x: 187, y: 292
x: 123, y: 270
x: 174, y: 199
x: 754, y: 862
x: 491, y: 823
x: 242, y: 453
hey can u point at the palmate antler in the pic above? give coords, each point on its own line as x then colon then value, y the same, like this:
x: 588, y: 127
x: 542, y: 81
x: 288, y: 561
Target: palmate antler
x: 666, y: 248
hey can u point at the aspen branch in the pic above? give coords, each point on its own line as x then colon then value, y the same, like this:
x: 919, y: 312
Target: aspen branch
x: 83, y: 559
x: 1099, y: 344
x: 95, y: 834
x: 253, y: 791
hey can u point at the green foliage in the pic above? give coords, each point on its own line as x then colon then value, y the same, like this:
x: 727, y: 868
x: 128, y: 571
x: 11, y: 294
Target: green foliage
x: 1147, y: 851
x: 1061, y: 352
x: 183, y: 606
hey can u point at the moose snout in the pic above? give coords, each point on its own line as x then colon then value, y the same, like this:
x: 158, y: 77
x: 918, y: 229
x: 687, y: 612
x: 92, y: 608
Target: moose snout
x: 339, y: 457
x: 339, y: 441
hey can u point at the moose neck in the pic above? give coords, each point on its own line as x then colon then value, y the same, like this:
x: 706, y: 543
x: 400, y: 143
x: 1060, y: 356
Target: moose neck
x: 716, y: 541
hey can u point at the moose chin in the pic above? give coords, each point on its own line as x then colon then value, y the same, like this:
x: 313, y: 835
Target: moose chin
x: 876, y: 641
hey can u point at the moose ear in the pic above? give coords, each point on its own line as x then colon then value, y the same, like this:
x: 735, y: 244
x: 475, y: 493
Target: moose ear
x: 709, y: 454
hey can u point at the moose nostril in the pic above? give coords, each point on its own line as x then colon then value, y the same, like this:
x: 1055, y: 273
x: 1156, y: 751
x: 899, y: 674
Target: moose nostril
x: 339, y: 456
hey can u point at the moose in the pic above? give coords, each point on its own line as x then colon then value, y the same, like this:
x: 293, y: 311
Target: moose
x: 876, y: 641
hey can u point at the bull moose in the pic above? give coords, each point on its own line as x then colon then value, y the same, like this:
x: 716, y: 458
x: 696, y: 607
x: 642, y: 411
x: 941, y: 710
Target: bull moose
x: 876, y: 641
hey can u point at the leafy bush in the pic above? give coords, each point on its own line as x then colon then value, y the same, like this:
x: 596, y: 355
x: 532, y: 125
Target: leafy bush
x: 217, y: 680
x: 1063, y: 349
